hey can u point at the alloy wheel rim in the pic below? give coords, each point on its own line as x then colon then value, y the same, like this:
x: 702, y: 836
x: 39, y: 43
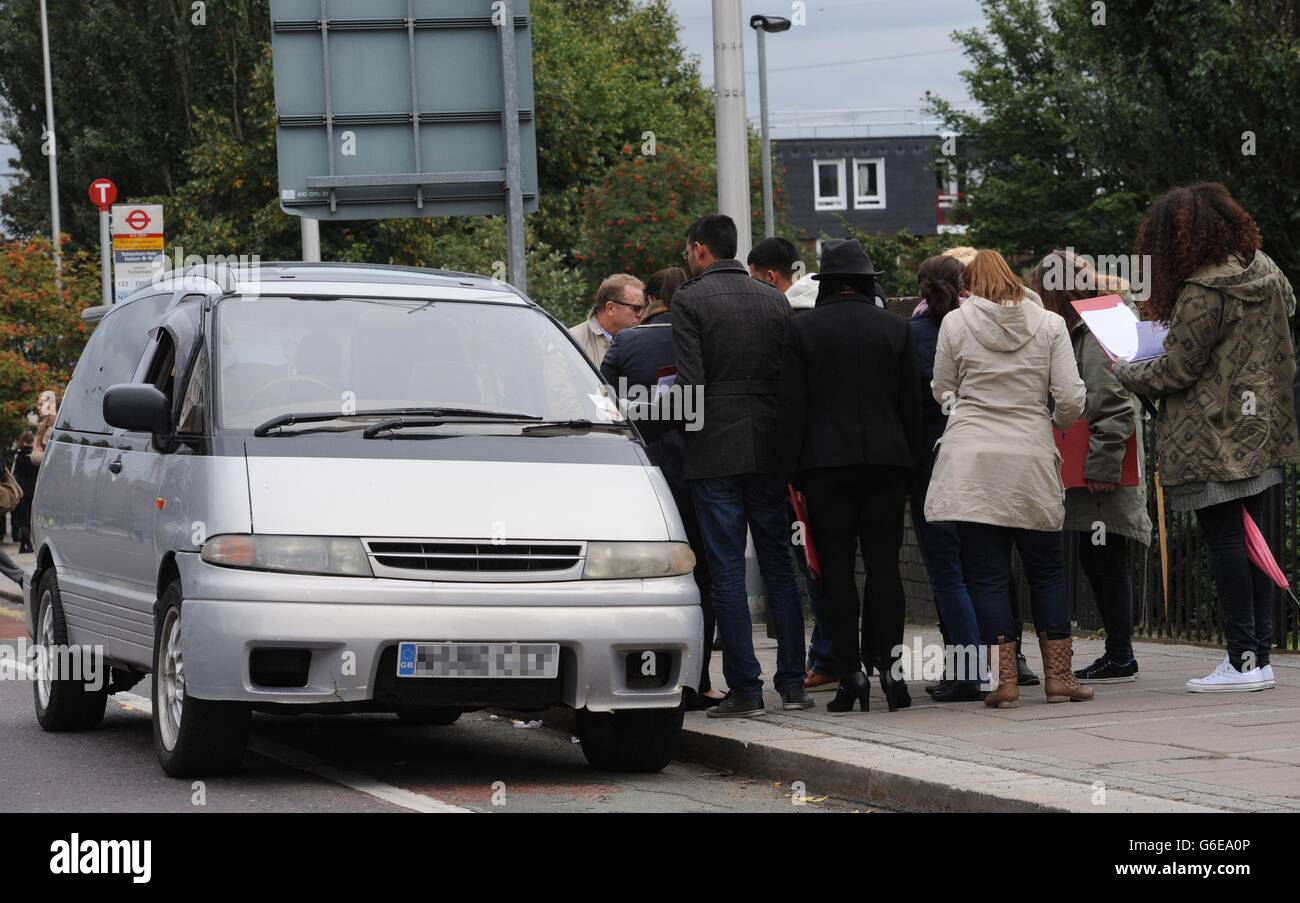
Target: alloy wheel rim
x: 44, y: 683
x: 170, y: 680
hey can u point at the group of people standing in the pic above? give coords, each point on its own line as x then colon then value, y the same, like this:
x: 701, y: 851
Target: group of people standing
x: 808, y: 382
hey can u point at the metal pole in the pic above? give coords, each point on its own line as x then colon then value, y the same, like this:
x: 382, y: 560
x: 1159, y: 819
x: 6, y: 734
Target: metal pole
x: 733, y: 132
x: 769, y: 219
x: 105, y: 257
x: 55, y: 230
x: 513, y: 160
x: 310, y: 239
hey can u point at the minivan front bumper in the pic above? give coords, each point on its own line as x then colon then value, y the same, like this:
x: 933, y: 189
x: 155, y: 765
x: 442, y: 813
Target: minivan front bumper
x: 349, y: 624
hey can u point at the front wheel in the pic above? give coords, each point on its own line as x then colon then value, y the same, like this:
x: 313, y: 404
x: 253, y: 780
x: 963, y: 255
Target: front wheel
x: 64, y: 702
x: 637, y: 740
x: 193, y: 737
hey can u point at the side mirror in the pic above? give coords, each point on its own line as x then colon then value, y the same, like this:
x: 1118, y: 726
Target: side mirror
x: 137, y: 408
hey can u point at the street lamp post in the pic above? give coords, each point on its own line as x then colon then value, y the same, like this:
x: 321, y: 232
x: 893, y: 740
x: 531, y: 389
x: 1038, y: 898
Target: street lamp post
x: 732, y: 129
x: 762, y: 25
x: 53, y: 150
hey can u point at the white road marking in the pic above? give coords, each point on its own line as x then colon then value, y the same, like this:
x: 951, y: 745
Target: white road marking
x: 293, y: 758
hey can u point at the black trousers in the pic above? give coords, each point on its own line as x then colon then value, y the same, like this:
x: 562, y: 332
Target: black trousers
x: 852, y: 508
x: 686, y: 508
x: 1108, y: 569
x: 1245, y: 592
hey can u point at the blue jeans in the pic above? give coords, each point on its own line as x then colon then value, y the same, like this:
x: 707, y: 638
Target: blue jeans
x: 726, y: 506
x: 821, y: 658
x: 986, y: 565
x: 941, y: 551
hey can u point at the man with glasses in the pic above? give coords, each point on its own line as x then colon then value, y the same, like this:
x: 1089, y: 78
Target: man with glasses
x: 620, y: 302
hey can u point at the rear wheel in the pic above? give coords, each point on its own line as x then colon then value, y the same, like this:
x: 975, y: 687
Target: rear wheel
x: 637, y: 740
x: 63, y: 703
x: 428, y: 716
x: 193, y: 737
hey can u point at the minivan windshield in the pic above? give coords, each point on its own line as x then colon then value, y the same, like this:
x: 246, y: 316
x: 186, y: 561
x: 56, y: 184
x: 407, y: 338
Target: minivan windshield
x: 279, y: 355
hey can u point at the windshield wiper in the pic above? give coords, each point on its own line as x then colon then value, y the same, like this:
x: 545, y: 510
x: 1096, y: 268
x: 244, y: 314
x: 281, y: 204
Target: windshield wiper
x: 441, y: 416
x: 282, y: 420
x: 560, y: 427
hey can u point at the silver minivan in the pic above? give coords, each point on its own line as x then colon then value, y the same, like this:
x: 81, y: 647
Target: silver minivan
x: 342, y: 488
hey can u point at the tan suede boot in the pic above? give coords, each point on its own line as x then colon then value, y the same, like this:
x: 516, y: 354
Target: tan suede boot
x: 1058, y: 671
x: 1007, y: 694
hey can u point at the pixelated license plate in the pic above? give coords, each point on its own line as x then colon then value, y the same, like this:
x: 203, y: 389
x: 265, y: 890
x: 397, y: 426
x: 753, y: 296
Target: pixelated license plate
x: 541, y: 660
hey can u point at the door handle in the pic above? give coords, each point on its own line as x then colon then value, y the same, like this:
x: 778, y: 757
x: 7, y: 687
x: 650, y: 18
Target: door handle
x: 115, y: 466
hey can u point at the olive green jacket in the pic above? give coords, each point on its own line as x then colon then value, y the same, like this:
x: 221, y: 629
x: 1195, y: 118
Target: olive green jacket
x: 1225, y: 379
x: 1113, y: 414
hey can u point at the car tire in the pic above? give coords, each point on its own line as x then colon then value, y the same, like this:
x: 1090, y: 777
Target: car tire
x: 637, y: 740
x: 62, y: 705
x: 429, y: 716
x: 193, y: 737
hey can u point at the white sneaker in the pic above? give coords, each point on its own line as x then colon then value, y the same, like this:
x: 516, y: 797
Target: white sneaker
x: 1227, y: 679
x: 1266, y: 673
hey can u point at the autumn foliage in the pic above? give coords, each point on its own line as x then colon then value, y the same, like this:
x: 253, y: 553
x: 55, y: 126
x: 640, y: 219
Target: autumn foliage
x: 41, y: 330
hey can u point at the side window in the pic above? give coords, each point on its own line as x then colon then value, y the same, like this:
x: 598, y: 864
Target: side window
x: 191, y: 418
x: 110, y: 357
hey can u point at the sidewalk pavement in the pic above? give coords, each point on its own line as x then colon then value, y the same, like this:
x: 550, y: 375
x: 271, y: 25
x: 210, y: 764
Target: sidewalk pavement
x: 1142, y: 746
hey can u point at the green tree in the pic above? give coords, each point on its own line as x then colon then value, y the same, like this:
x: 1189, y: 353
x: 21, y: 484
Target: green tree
x: 129, y: 76
x: 41, y: 330
x: 1090, y: 111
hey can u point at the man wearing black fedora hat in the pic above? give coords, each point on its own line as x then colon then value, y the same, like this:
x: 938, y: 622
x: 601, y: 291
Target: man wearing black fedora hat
x: 849, y: 417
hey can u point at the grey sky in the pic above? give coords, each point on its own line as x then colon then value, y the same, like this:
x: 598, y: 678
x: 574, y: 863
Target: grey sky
x: 829, y: 62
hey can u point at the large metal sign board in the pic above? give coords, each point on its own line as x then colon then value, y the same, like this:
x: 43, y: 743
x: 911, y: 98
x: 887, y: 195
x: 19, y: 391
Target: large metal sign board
x: 393, y: 108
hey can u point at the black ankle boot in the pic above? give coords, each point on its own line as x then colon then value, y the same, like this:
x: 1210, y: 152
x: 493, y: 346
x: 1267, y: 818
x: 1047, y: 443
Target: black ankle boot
x: 895, y: 690
x: 853, y: 688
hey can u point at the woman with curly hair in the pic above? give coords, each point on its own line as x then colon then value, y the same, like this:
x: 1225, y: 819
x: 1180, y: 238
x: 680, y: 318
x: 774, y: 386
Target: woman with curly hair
x: 1227, y: 423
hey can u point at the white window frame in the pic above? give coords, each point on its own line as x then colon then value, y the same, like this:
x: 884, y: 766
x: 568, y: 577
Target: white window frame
x: 838, y: 202
x: 873, y: 201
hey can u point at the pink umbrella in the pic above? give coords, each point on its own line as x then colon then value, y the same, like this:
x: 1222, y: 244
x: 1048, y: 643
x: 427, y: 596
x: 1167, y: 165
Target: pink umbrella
x: 1261, y: 556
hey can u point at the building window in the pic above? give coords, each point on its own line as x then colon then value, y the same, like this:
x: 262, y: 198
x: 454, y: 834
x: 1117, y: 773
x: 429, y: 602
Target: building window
x: 828, y: 183
x: 869, y: 184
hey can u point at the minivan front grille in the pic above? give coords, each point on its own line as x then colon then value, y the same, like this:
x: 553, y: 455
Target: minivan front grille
x: 435, y: 559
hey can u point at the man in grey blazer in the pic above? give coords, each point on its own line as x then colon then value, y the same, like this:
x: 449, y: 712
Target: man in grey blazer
x: 728, y: 330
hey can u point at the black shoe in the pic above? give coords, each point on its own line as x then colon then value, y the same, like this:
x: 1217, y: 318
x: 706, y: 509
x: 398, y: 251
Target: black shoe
x: 26, y: 550
x: 1105, y: 671
x: 942, y: 686
x: 896, y: 695
x: 853, y: 688
x: 733, y: 706
x: 796, y: 698
x: 958, y: 691
x: 698, y: 702
x: 1025, y: 678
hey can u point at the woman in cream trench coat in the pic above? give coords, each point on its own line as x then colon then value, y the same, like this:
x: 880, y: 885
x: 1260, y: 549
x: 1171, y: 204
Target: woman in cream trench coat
x: 1005, y: 372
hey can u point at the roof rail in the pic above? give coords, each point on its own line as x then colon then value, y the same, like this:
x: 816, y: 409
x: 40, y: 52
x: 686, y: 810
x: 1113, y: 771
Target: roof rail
x: 220, y: 274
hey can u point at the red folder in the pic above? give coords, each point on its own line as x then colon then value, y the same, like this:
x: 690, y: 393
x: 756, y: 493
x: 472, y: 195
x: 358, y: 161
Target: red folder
x: 1073, y: 446
x: 801, y: 514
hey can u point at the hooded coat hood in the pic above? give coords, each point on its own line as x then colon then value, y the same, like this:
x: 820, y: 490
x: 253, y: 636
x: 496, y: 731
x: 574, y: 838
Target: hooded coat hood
x: 1002, y: 327
x: 803, y: 293
x: 1259, y: 282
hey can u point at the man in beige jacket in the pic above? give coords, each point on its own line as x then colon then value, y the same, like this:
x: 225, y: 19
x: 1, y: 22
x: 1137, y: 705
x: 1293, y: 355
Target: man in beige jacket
x: 620, y: 302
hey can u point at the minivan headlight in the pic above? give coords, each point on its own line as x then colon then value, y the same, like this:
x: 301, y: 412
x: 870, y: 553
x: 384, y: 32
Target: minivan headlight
x: 622, y: 560
x: 335, y: 555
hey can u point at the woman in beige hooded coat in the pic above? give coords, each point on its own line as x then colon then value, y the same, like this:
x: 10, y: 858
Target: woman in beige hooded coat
x: 1005, y: 372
